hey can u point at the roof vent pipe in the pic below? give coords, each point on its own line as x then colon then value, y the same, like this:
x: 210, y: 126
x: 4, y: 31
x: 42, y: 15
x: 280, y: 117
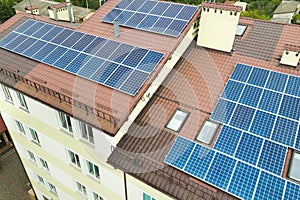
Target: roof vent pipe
x: 116, y: 28
x: 69, y: 10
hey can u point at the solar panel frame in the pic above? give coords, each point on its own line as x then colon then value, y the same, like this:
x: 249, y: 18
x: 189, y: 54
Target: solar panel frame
x: 277, y: 81
x: 24, y: 26
x: 242, y: 117
x: 24, y: 45
x: 270, y: 101
x: 262, y: 124
x: 250, y: 96
x: 258, y: 77
x: 292, y: 191
x: 290, y: 107
x: 223, y: 111
x: 293, y: 86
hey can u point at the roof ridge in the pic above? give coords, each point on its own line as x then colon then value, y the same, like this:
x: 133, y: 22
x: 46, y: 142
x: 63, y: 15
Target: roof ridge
x: 221, y: 6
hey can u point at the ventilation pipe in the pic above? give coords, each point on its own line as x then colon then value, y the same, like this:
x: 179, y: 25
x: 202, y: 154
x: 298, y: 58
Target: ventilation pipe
x: 116, y: 28
x: 69, y: 10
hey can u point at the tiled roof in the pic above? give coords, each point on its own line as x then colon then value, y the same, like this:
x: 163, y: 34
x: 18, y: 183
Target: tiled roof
x: 195, y: 85
x: 33, y: 7
x: 221, y: 6
x: 59, y: 5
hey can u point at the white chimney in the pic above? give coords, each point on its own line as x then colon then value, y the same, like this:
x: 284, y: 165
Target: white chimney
x: 69, y: 10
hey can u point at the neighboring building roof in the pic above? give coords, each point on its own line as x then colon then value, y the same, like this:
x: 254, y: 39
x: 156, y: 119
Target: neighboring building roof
x: 220, y: 6
x: 2, y: 125
x: 286, y: 7
x: 195, y: 86
x: 33, y: 7
x: 59, y: 5
x: 98, y: 105
x: 281, y: 20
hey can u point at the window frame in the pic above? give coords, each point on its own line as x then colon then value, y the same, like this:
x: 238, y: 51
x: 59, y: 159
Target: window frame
x: 34, y: 136
x: 95, y: 169
x: 200, y: 131
x: 40, y: 179
x: 22, y: 101
x: 147, y: 197
x: 44, y: 164
x: 173, y: 118
x: 74, y: 159
x: 7, y: 94
x: 86, y: 132
x: 65, y: 122
x: 20, y: 127
x: 81, y: 188
x: 243, y: 30
x: 96, y: 196
x: 52, y: 188
x: 295, y: 152
x: 31, y: 156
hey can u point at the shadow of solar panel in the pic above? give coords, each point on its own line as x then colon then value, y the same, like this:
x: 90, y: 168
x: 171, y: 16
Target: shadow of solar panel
x: 150, y: 61
x: 124, y: 16
x: 135, y: 5
x: 134, y: 82
x: 23, y: 27
x: 233, y: 90
x: 161, y: 25
x: 90, y: 67
x: 277, y: 81
x: 199, y: 161
x: 42, y: 31
x: 244, y: 181
x: 159, y: 8
x: 147, y: 6
x: 176, y: 27
x: 34, y: 48
x: 8, y: 38
x: 228, y: 140
x: 102, y: 74
x: 135, y: 19
x: 292, y: 191
x: 121, y: 53
x: 290, y: 107
x: 112, y: 15
x: 250, y: 96
x: 172, y: 10
x: 223, y: 111
x: 83, y: 42
x: 285, y: 131
x: 262, y: 124
x: 249, y: 148
x: 94, y: 46
x: 52, y: 33
x: 108, y: 48
x: 15, y: 42
x: 135, y: 57
x: 148, y: 22
x: 186, y: 12
x: 62, y: 36
x: 270, y: 101
x: 54, y: 55
x: 220, y: 171
x: 72, y: 39
x: 180, y: 152
x: 32, y: 29
x: 66, y: 59
x: 269, y: 187
x: 118, y: 77
x: 78, y: 63
x: 241, y: 72
x: 242, y: 117
x: 293, y: 86
x: 42, y: 53
x: 258, y: 77
x: 25, y: 45
x: 272, y: 157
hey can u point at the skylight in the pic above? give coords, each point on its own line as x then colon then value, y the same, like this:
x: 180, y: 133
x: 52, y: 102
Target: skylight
x: 177, y: 120
x: 294, y: 172
x: 207, y: 132
x: 240, y: 30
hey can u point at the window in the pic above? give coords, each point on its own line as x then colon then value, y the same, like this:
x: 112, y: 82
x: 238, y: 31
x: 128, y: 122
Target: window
x: 74, y: 158
x: 97, y: 196
x: 31, y: 156
x: 81, y: 188
x: 7, y: 94
x: 86, y: 132
x: 65, y: 121
x: 207, y: 132
x: 44, y: 164
x: 22, y: 101
x: 20, y: 127
x: 34, y: 135
x: 93, y: 169
x: 240, y: 30
x: 147, y: 197
x: 41, y: 180
x: 52, y: 188
x: 177, y: 120
x: 45, y: 198
x: 294, y: 172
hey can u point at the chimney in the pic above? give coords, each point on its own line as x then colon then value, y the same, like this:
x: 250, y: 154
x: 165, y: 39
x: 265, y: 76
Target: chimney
x: 290, y: 55
x: 218, y: 25
x: 69, y: 10
x: 116, y: 28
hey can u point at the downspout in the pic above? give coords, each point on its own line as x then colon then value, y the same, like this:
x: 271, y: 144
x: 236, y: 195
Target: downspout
x: 125, y: 186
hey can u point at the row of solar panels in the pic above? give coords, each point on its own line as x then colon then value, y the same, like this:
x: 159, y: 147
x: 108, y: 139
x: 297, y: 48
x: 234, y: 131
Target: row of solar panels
x: 117, y: 65
x: 229, y: 173
x: 158, y: 17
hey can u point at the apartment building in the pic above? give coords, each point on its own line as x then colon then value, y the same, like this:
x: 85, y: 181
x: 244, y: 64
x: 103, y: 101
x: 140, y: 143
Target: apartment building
x: 116, y: 108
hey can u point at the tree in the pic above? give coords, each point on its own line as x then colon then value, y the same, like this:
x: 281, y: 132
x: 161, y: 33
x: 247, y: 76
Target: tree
x: 6, y: 9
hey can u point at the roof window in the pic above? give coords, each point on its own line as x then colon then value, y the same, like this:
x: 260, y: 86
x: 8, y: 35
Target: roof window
x: 177, y: 120
x: 240, y: 30
x: 207, y: 132
x: 294, y: 172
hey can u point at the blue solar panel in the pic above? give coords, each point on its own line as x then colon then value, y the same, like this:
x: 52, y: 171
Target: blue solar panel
x: 42, y: 31
x: 293, y: 86
x: 292, y: 191
x: 249, y: 148
x: 83, y: 42
x: 34, y: 48
x: 124, y: 16
x: 148, y: 63
x: 62, y: 36
x: 227, y: 140
x: 199, y: 162
x: 285, y: 131
x: 25, y: 26
x: 251, y: 96
x: 66, y: 59
x: 223, y: 111
x: 118, y: 77
x: 121, y: 53
x: 72, y: 39
x: 290, y: 107
x: 78, y: 63
x: 241, y: 72
x: 258, y: 77
x: 186, y: 12
x: 159, y: 8
x: 94, y: 46
x: 297, y: 143
x: 161, y: 25
x: 25, y: 45
x: 112, y: 15
x: 172, y: 10
x: 135, y: 57
x: 90, y: 67
x: 108, y: 48
x: 176, y: 27
x: 134, y: 82
x: 277, y: 81
x: 272, y: 157
x: 4, y: 41
x: 180, y: 152
x: 34, y: 28
x: 103, y: 72
x: 147, y: 6
x: 220, y: 171
x: 269, y: 187
x: 262, y: 124
x: 52, y: 33
x: 135, y: 5
x: 244, y: 181
x: 148, y: 22
x: 123, y: 4
x: 54, y: 55
x: 41, y: 54
x: 242, y: 117
x: 270, y: 101
x: 15, y: 42
x: 135, y: 19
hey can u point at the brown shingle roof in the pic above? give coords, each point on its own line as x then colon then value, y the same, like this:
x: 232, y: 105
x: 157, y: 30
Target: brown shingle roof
x: 221, y: 6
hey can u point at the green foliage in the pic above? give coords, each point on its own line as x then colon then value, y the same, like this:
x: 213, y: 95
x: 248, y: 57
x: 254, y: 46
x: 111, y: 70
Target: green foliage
x: 295, y: 18
x: 6, y: 9
x: 92, y: 4
x: 255, y: 14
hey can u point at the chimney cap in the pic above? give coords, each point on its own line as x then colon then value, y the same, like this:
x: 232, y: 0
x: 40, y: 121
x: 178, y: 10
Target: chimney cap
x: 221, y: 6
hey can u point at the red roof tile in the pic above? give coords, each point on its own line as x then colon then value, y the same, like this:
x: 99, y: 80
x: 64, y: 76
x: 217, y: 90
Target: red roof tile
x: 221, y: 6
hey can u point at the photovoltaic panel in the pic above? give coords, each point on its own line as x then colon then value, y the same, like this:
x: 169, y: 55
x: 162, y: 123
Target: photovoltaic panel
x: 292, y: 191
x: 241, y: 72
x: 258, y: 77
x: 290, y: 107
x: 161, y: 25
x: 272, y: 157
x: 242, y: 117
x: 250, y: 95
x: 223, y: 111
x: 180, y: 152
x: 160, y: 8
x: 293, y: 86
x: 270, y: 101
x: 244, y: 181
x: 263, y: 124
x: 110, y: 63
x: 220, y: 171
x: 297, y: 143
x: 227, y: 140
x: 175, y: 27
x: 135, y: 19
x: 233, y: 90
x: 277, y: 81
x: 269, y: 187
x: 172, y: 10
x: 147, y: 22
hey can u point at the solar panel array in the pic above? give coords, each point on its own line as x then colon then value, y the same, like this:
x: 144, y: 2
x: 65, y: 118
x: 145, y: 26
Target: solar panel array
x: 154, y: 16
x: 260, y: 113
x: 116, y: 65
